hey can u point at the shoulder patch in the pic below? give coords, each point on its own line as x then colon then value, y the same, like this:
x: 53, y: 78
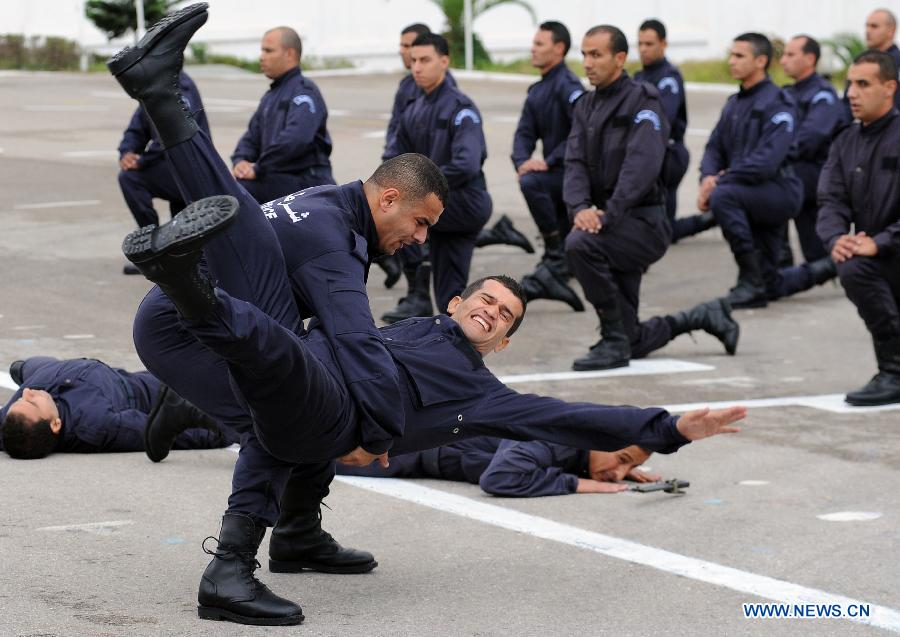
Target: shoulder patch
x: 823, y: 96
x: 784, y: 118
x: 574, y: 95
x: 466, y: 113
x: 648, y: 115
x: 669, y: 82
x: 305, y: 99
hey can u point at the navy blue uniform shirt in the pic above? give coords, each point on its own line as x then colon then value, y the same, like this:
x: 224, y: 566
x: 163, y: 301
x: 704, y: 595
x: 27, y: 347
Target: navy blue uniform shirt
x: 446, y: 127
x: 859, y: 184
x: 547, y: 116
x: 140, y: 138
x: 449, y: 394
x: 753, y: 137
x: 668, y: 81
x: 102, y: 409
x: 287, y: 133
x: 820, y: 115
x: 328, y: 238
x: 616, y: 149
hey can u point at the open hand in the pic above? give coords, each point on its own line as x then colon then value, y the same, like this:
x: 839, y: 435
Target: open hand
x: 703, y: 423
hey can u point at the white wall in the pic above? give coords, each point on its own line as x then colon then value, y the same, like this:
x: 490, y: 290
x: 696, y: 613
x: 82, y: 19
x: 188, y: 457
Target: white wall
x: 367, y: 30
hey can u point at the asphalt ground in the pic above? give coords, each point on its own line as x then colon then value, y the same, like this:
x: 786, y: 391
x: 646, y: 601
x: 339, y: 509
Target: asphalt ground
x: 110, y: 544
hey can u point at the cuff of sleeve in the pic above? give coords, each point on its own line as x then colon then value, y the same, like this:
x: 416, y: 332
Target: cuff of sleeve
x: 885, y: 243
x: 377, y: 447
x: 571, y: 482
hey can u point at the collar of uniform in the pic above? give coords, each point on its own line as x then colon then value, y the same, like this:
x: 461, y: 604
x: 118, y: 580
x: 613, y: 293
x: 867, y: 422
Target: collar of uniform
x: 756, y: 88
x: 613, y: 88
x: 806, y: 81
x: 459, y: 340
x: 655, y: 66
x: 355, y: 196
x: 554, y: 70
x: 278, y: 81
x: 437, y: 91
x: 880, y: 124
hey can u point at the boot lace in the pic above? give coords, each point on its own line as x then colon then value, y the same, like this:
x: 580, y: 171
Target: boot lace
x: 247, y: 557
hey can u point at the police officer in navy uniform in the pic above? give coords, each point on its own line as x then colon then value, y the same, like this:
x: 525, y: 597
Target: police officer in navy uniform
x: 881, y: 27
x: 286, y: 147
x: 144, y: 174
x: 444, y: 125
x: 330, y: 234
x: 665, y: 76
x: 746, y: 175
x: 307, y: 384
x: 859, y: 216
x: 547, y: 117
x: 514, y: 468
x: 819, y: 117
x: 85, y: 406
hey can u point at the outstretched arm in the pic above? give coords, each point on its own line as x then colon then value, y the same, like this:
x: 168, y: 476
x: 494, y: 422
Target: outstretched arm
x: 703, y: 423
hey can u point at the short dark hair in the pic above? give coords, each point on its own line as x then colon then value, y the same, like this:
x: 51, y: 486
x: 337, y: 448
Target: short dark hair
x: 414, y: 175
x: 290, y: 39
x: 617, y: 40
x: 759, y: 43
x: 510, y: 284
x: 887, y: 68
x: 417, y: 27
x: 654, y: 25
x: 439, y: 42
x: 810, y: 45
x: 27, y: 441
x: 558, y: 33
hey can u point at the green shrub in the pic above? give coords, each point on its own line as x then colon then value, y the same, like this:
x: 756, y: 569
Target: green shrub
x: 38, y: 53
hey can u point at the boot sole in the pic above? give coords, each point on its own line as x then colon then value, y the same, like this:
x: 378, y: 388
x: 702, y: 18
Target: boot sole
x: 591, y: 368
x: 278, y: 566
x: 222, y: 615
x: 129, y: 56
x: 871, y: 403
x: 188, y: 229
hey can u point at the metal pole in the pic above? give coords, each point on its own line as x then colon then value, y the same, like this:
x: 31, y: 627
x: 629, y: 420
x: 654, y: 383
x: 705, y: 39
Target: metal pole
x: 467, y: 21
x: 139, y: 9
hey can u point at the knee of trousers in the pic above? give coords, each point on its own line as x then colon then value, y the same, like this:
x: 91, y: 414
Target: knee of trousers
x: 722, y: 199
x: 857, y: 271
x: 582, y: 245
x: 531, y: 184
x: 129, y: 179
x: 156, y: 317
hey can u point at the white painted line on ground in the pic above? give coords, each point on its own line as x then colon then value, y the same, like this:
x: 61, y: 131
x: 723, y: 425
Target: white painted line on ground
x: 22, y: 328
x: 692, y: 568
x: 98, y: 528
x: 65, y: 108
x: 7, y: 382
x: 753, y: 483
x: 636, y: 368
x: 375, y: 134
x: 827, y: 402
x: 77, y: 337
x: 850, y: 516
x: 56, y: 204
x: 91, y: 153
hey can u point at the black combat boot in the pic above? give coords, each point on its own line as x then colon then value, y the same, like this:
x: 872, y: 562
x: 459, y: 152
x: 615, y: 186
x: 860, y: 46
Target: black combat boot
x: 169, y: 255
x: 15, y: 372
x: 504, y: 233
x: 713, y: 317
x: 884, y: 388
x: 614, y: 348
x: 393, y: 268
x: 691, y: 225
x: 544, y: 284
x: 555, y: 255
x: 229, y: 591
x: 417, y: 301
x: 171, y: 415
x: 822, y: 270
x: 149, y: 72
x: 298, y: 543
x: 750, y: 290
